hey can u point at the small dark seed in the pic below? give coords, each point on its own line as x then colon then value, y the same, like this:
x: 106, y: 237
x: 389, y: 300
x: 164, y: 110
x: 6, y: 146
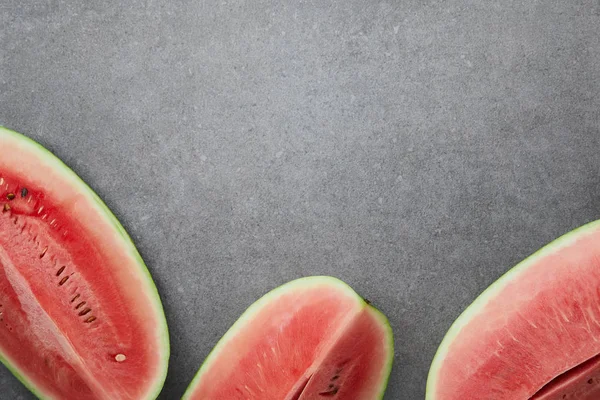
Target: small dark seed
x: 590, y: 381
x: 6, y: 207
x: 63, y: 280
x: 87, y: 310
x: 331, y: 386
x: 90, y: 319
x: 75, y: 298
x: 78, y: 306
x: 335, y: 377
x: 44, y: 252
x: 24, y: 192
x: 330, y: 393
x: 60, y: 270
x: 11, y: 196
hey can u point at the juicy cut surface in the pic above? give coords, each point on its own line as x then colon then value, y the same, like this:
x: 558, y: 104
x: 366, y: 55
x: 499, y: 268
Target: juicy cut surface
x: 542, y: 323
x: 354, y: 366
x: 312, y: 341
x: 74, y: 320
x: 579, y: 383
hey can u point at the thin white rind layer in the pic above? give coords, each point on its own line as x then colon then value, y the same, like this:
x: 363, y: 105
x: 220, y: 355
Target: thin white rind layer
x: 34, y: 149
x: 494, y: 290
x: 247, y: 317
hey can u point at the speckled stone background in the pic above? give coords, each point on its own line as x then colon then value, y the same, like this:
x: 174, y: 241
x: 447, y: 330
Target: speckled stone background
x: 414, y: 149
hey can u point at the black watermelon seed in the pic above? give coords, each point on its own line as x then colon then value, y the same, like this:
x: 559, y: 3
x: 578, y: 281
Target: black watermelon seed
x: 24, y: 192
x: 87, y: 310
x: 11, y: 196
x: 330, y: 393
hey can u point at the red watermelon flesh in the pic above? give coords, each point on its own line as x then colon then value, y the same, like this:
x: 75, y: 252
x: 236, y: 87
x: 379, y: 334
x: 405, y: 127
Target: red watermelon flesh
x: 348, y: 362
x: 79, y: 315
x: 534, y: 334
x: 313, y: 338
x: 580, y: 382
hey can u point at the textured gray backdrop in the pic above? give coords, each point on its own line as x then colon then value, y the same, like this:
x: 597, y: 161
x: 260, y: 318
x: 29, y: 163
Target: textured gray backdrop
x: 416, y: 149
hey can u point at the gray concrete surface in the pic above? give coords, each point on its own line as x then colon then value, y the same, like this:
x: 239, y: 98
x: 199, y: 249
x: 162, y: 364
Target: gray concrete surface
x: 415, y: 149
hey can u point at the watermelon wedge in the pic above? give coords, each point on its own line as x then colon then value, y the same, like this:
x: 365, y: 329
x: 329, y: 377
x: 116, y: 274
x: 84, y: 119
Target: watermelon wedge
x: 313, y: 338
x: 533, y: 334
x: 80, y: 317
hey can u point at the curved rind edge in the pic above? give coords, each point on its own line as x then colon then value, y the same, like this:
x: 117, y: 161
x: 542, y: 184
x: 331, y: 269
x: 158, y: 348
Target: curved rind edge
x: 389, y: 335
x: 254, y: 309
x: 490, y: 292
x: 17, y: 374
x: 42, y: 152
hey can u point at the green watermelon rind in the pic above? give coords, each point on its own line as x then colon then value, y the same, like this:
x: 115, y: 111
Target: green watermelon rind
x: 390, y: 349
x: 489, y: 294
x: 268, y: 297
x: 85, y: 189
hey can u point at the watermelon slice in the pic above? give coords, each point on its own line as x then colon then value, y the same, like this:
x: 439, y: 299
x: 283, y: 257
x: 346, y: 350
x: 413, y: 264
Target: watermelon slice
x: 80, y: 317
x: 533, y: 334
x: 313, y: 338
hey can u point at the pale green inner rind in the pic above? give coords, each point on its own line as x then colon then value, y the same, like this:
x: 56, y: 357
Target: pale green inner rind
x: 255, y: 308
x: 53, y: 161
x: 19, y: 375
x: 389, y: 336
x: 492, y: 291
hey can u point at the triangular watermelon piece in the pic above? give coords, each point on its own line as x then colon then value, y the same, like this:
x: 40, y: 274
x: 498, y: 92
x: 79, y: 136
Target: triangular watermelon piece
x: 313, y: 338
